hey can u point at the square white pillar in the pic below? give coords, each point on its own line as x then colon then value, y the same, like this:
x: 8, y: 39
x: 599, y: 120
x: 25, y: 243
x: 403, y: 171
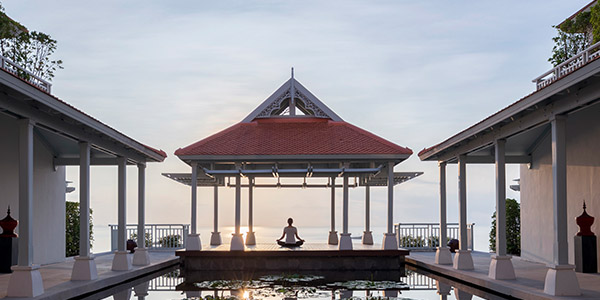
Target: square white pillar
x: 333, y: 238
x: 237, y: 241
x: 367, y: 237
x: 390, y: 242
x: 26, y: 280
x: 442, y: 254
x: 141, y: 256
x: 84, y: 267
x: 345, y: 238
x: 215, y: 236
x: 560, y: 278
x: 462, y: 257
x: 193, y: 242
x: 250, y: 237
x: 121, y: 261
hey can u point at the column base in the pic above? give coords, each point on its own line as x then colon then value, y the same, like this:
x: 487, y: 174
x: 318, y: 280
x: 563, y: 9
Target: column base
x: 215, y: 238
x: 561, y: 281
x: 389, y: 241
x: 121, y: 261
x: 141, y: 257
x: 367, y: 238
x: 250, y: 239
x: 84, y: 268
x: 333, y: 238
x: 25, y: 282
x: 463, y: 260
x: 237, y: 242
x: 501, y: 267
x: 345, y: 241
x: 443, y: 256
x: 193, y: 242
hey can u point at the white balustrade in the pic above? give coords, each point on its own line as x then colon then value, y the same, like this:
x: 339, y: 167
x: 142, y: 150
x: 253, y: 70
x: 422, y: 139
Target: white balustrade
x: 568, y: 66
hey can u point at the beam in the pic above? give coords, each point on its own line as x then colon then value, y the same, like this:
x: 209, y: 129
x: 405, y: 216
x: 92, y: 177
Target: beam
x: 94, y: 161
x: 584, y: 96
x: 515, y: 159
x: 73, y: 132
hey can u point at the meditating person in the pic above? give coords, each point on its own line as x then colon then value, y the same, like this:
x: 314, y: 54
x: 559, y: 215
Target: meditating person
x: 291, y: 234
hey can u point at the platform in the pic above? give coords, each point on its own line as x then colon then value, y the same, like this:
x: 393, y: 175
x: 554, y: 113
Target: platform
x: 268, y: 257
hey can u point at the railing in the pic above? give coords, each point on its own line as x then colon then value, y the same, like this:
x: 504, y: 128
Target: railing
x: 568, y: 66
x: 166, y: 282
x: 18, y: 71
x: 426, y: 236
x: 156, y: 236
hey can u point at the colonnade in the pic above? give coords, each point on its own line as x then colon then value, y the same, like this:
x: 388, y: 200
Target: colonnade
x: 344, y: 242
x: 560, y: 278
x: 26, y: 280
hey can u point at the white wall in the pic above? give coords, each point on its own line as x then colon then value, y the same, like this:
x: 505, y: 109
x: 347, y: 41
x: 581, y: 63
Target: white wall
x: 48, y: 193
x: 583, y: 183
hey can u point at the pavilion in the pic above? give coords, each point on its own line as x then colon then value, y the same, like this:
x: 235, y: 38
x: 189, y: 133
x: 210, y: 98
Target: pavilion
x: 293, y: 134
x: 553, y: 134
x: 42, y: 134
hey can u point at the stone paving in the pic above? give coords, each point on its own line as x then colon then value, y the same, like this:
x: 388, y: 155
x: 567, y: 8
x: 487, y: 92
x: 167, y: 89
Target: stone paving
x: 528, y: 285
x: 57, y: 276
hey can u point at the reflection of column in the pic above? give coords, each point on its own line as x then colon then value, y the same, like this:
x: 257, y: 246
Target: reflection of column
x: 390, y: 242
x: 345, y: 239
x: 141, y: 290
x: 123, y: 295
x: 193, y: 242
x: 141, y: 256
x: 560, y: 278
x: 333, y: 238
x: 367, y: 238
x: 121, y: 261
x: 443, y: 289
x: 237, y: 241
x: 442, y: 254
x: 26, y: 280
x: 462, y: 295
x: 462, y: 258
x: 250, y: 238
x: 84, y: 267
x: 215, y: 237
x: 501, y: 266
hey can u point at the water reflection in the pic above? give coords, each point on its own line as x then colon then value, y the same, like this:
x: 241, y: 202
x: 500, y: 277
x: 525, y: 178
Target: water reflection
x: 169, y: 284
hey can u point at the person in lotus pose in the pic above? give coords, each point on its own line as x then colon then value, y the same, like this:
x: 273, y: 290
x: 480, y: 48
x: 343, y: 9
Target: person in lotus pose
x: 291, y: 234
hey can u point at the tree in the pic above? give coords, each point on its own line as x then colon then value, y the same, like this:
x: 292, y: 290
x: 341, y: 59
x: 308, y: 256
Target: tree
x: 72, y: 229
x: 513, y: 228
x: 30, y: 50
x: 574, y: 36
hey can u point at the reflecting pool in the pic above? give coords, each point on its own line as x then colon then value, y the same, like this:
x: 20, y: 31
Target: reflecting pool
x: 408, y: 284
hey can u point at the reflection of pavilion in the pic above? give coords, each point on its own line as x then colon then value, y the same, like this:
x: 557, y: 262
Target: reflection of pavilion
x: 292, y: 134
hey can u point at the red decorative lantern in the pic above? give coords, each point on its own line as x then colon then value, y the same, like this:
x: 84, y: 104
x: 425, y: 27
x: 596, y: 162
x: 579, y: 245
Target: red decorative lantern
x: 8, y: 225
x: 585, y: 222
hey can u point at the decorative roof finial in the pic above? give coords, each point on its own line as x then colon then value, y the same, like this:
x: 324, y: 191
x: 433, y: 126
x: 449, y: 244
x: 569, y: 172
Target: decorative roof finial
x: 292, y: 72
x: 583, y: 205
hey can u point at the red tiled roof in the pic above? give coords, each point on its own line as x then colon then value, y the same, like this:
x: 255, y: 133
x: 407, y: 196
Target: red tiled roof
x: 292, y: 136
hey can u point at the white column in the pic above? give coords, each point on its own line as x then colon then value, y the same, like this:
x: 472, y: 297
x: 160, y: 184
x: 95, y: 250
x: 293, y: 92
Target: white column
x: 26, y: 280
x: 333, y: 238
x: 250, y: 237
x: 390, y: 242
x: 462, y: 258
x: 193, y: 242
x: 85, y: 266
x: 442, y: 254
x: 215, y: 237
x: 560, y: 278
x: 121, y: 261
x: 141, y: 256
x: 237, y: 241
x: 501, y: 265
x: 367, y: 238
x: 345, y: 239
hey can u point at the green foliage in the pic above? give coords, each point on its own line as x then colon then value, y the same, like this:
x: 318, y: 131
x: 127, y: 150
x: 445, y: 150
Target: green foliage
x: 72, y: 229
x: 573, y: 37
x: 173, y: 240
x: 147, y: 238
x: 513, y: 228
x: 30, y: 50
x: 595, y: 22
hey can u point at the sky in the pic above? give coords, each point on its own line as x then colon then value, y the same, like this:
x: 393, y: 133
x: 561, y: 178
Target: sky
x: 170, y: 73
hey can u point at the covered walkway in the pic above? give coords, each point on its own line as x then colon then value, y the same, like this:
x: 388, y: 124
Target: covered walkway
x: 529, y: 282
x: 58, y: 283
